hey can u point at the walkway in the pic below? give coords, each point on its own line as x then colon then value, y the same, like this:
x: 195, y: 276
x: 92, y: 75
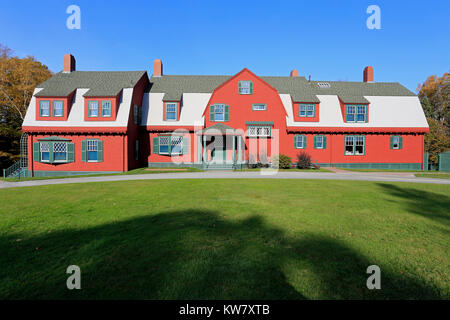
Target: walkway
x: 347, y: 175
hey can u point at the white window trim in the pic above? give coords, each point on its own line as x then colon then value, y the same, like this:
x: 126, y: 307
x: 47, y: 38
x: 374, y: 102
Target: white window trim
x: 259, y: 104
x: 262, y: 130
x: 87, y: 150
x: 165, y: 111
x: 89, y: 113
x: 110, y: 109
x: 306, y: 106
x: 49, y: 108
x: 62, y: 108
x: 321, y: 139
x: 241, y: 87
x: 40, y: 151
x: 223, y: 111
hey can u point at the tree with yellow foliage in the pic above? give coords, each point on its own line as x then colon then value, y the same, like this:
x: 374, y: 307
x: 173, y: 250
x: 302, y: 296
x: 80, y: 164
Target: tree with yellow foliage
x: 18, y: 78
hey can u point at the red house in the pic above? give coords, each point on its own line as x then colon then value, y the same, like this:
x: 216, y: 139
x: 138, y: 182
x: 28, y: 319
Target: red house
x: 81, y: 122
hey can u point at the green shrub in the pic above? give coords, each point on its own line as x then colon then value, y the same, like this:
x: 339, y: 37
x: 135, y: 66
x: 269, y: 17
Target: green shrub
x: 281, y: 161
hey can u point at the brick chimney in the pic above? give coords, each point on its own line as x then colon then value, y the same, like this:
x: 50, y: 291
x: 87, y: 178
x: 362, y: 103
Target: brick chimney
x: 368, y: 74
x: 157, y: 68
x: 294, y: 73
x: 69, y: 63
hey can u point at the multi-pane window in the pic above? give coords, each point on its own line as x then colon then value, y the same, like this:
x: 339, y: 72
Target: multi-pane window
x: 319, y: 142
x: 93, y: 108
x: 164, y: 145
x: 44, y: 108
x: 45, y: 151
x: 92, y: 150
x: 177, y: 144
x: 106, y: 108
x: 259, y: 131
x: 355, y: 145
x: 306, y: 110
x: 259, y: 107
x: 60, y: 151
x: 219, y: 112
x: 300, y: 141
x: 245, y: 87
x: 396, y: 142
x: 58, y: 108
x: 356, y: 113
x: 171, y: 111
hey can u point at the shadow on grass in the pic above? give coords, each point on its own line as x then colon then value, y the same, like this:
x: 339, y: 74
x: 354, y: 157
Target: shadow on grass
x: 427, y: 204
x: 192, y: 255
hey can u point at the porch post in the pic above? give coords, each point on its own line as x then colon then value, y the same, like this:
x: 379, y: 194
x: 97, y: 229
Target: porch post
x: 239, y: 149
x: 199, y: 149
x: 204, y: 148
x: 234, y: 145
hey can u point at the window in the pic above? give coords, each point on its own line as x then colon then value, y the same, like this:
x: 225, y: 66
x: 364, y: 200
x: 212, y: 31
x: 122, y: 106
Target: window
x: 319, y: 142
x: 106, y: 108
x: 93, y: 108
x: 177, y: 145
x: 171, y: 111
x: 259, y: 107
x: 259, y: 131
x: 58, y: 106
x: 219, y: 112
x: 356, y: 113
x: 396, y: 142
x: 306, y: 110
x: 164, y: 145
x: 355, y: 145
x: 92, y: 150
x: 45, y: 151
x: 60, y: 152
x: 245, y: 87
x: 136, y: 150
x: 44, y: 108
x: 299, y: 141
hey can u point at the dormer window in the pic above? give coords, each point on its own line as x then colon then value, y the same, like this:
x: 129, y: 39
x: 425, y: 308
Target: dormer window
x: 171, y: 111
x: 44, y: 108
x: 106, y: 108
x: 245, y: 87
x: 306, y: 110
x: 58, y: 108
x: 356, y: 113
x: 93, y: 109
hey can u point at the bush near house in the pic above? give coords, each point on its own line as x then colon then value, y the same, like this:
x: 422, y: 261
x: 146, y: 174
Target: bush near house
x: 282, y: 161
x: 303, y: 160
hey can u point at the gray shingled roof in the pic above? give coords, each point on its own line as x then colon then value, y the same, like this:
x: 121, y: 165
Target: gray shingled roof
x: 299, y: 88
x: 99, y: 83
x: 354, y: 92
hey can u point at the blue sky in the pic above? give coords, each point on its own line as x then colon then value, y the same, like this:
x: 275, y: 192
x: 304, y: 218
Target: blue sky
x: 328, y: 40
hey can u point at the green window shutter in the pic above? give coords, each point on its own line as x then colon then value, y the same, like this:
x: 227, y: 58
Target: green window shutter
x: 251, y: 87
x: 239, y: 87
x: 156, y: 145
x: 400, y: 142
x: 296, y: 137
x: 70, y: 152
x: 315, y: 142
x: 324, y: 142
x: 185, y: 145
x: 304, y: 141
x: 100, y: 151
x: 83, y: 151
x: 226, y: 117
x: 211, y: 113
x: 37, y: 152
x: 51, y: 155
x: 392, y: 142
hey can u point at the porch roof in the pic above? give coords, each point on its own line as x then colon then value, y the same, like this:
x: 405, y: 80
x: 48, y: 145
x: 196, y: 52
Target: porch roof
x: 219, y: 128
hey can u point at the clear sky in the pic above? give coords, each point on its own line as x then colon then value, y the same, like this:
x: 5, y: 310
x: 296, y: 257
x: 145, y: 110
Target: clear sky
x: 328, y: 40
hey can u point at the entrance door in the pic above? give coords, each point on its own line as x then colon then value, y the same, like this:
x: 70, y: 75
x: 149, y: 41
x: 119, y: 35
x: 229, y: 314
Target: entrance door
x: 219, y: 151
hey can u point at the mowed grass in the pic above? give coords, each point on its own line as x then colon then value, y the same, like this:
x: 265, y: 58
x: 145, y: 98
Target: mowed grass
x: 434, y: 175
x: 225, y: 239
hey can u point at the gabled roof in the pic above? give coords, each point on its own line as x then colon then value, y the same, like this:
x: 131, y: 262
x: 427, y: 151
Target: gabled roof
x: 99, y: 83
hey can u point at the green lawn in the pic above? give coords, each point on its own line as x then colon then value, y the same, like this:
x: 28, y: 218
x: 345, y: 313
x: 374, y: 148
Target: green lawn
x: 380, y: 170
x: 287, y: 170
x: 433, y: 175
x: 144, y: 170
x: 226, y: 239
